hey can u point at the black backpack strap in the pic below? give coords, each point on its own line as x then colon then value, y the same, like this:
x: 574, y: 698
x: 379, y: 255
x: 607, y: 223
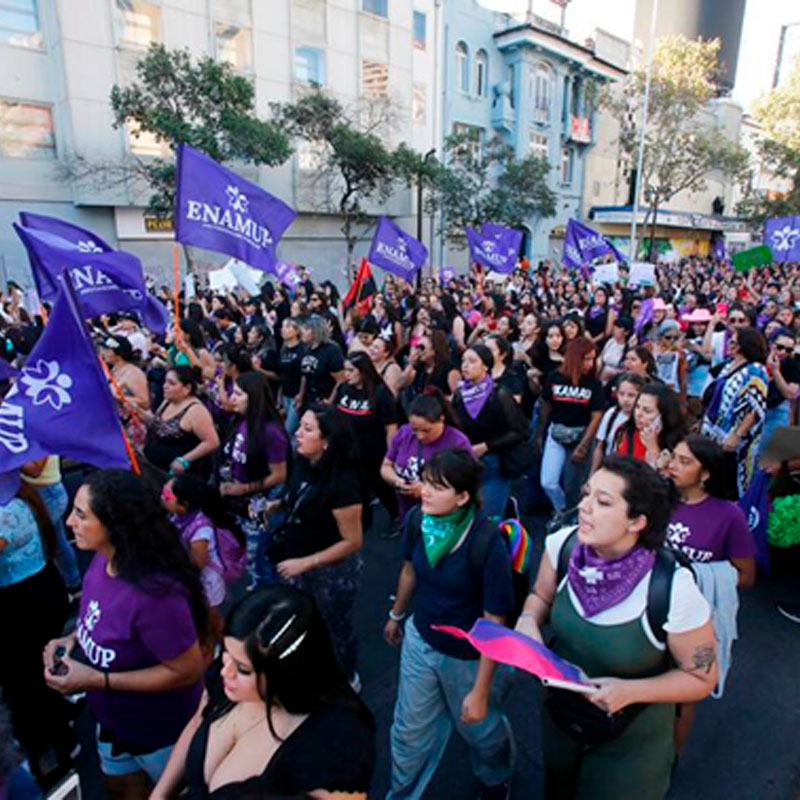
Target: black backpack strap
x: 660, y: 592
x: 564, y: 554
x: 412, y: 527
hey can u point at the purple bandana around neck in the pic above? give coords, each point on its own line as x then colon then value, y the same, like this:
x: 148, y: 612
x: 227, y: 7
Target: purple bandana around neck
x: 600, y: 584
x: 475, y: 395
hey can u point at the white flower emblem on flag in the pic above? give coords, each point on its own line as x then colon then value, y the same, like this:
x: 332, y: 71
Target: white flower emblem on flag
x: 237, y: 200
x: 785, y: 237
x: 45, y: 383
x: 88, y: 247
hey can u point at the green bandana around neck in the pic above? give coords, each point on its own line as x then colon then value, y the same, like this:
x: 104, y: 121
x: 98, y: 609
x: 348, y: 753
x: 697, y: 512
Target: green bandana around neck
x: 440, y: 533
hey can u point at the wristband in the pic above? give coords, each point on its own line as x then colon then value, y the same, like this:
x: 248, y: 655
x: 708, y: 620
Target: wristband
x: 184, y: 462
x: 396, y: 617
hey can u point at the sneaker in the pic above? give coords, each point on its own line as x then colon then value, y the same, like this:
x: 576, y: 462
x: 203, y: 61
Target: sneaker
x: 790, y: 611
x: 500, y: 791
x: 355, y: 683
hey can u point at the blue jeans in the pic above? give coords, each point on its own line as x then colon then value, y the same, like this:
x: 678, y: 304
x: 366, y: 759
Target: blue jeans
x: 430, y: 691
x: 495, y: 489
x: 56, y: 500
x: 558, y: 469
x: 292, y: 421
x: 777, y: 417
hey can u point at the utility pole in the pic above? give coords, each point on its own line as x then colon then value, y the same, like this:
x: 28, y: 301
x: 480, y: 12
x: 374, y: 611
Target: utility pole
x: 426, y: 158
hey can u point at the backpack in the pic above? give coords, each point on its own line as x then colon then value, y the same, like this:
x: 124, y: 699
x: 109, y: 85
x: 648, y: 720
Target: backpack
x: 517, y: 541
x: 232, y: 554
x: 659, y: 591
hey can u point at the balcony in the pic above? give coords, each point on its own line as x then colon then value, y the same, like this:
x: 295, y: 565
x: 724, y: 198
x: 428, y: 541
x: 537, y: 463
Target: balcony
x: 580, y: 130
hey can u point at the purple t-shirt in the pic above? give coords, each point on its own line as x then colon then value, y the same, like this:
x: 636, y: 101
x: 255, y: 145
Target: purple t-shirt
x: 408, y: 456
x: 120, y: 628
x: 711, y: 530
x: 276, y: 444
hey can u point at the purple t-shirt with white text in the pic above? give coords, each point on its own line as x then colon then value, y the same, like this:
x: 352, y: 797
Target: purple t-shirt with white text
x: 276, y: 444
x: 121, y: 628
x: 409, y: 456
x: 711, y: 530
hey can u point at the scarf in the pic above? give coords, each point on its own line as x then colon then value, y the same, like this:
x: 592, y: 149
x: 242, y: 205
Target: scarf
x: 475, y: 395
x: 440, y: 533
x: 600, y: 584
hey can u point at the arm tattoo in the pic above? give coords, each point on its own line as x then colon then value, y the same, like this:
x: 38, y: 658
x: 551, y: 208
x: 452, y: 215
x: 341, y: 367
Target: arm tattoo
x: 704, y: 658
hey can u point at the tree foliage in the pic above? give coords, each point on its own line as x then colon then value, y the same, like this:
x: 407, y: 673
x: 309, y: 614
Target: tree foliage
x: 202, y: 103
x: 680, y: 149
x: 778, y: 113
x: 474, y: 185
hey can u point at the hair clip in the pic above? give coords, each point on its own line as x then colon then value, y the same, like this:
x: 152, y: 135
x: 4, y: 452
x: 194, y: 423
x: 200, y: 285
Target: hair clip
x: 282, y: 630
x: 293, y: 646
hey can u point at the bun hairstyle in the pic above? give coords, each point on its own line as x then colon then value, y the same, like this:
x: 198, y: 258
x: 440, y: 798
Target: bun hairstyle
x: 432, y: 406
x: 188, y: 376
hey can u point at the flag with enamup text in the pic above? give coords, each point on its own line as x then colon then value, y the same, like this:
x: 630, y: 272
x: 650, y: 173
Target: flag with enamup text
x: 60, y: 402
x: 495, y: 246
x: 582, y: 245
x: 396, y: 251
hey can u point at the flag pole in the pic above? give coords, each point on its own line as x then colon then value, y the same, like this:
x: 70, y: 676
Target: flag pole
x: 176, y: 262
x: 128, y: 446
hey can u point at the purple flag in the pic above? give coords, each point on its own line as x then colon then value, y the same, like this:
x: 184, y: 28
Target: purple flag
x: 755, y: 504
x: 103, y: 281
x: 447, y: 274
x: 287, y: 274
x: 89, y: 242
x: 782, y: 236
x: 396, y: 251
x: 645, y: 315
x: 582, y: 245
x: 218, y: 210
x: 719, y: 248
x: 495, y: 246
x: 61, y: 403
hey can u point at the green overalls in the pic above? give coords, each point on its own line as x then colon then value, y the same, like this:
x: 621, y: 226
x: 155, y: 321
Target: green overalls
x: 638, y: 763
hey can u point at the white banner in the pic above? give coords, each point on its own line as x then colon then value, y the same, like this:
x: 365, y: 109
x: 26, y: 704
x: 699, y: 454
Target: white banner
x: 642, y: 274
x: 607, y: 273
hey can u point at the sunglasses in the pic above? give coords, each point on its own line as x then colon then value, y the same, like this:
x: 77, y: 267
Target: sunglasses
x: 783, y: 348
x: 737, y: 320
x: 670, y: 338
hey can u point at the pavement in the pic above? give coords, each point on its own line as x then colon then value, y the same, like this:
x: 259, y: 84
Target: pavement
x: 743, y: 746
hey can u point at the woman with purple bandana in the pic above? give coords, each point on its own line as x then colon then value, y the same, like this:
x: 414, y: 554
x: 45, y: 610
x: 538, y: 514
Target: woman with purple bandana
x: 598, y: 612
x: 493, y: 422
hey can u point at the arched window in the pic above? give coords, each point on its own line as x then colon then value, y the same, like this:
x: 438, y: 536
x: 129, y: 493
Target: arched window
x: 481, y: 73
x: 542, y: 89
x: 462, y: 66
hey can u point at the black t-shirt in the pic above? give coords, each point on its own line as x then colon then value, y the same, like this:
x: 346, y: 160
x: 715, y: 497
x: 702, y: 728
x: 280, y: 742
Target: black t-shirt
x: 596, y: 322
x: 368, y: 418
x: 312, y: 495
x: 513, y: 378
x: 437, y: 378
x: 790, y: 370
x: 289, y: 369
x: 572, y: 405
x: 317, y: 366
x: 450, y: 594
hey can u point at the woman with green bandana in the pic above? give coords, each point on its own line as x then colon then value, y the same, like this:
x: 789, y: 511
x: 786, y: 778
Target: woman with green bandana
x: 458, y: 569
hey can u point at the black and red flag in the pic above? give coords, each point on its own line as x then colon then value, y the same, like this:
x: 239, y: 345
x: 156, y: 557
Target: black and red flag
x: 361, y: 291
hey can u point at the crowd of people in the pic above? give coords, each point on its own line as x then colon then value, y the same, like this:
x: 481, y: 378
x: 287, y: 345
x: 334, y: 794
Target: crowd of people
x: 204, y: 607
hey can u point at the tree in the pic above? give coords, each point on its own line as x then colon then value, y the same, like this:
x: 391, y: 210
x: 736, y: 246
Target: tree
x: 680, y: 149
x: 204, y: 104
x: 474, y: 186
x: 356, y: 168
x: 778, y: 113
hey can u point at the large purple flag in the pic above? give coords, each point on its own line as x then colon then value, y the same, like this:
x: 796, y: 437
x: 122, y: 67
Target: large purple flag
x: 61, y: 403
x: 89, y: 242
x: 782, y: 236
x: 396, y: 251
x: 103, y: 281
x: 496, y: 247
x: 582, y: 245
x: 218, y: 210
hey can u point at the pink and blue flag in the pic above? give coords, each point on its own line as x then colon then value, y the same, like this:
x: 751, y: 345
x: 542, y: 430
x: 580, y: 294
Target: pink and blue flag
x: 396, y: 251
x: 496, y: 247
x: 218, y: 210
x: 61, y: 403
x: 506, y: 646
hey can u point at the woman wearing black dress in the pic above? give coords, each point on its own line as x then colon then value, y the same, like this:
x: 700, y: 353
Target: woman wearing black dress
x: 277, y: 718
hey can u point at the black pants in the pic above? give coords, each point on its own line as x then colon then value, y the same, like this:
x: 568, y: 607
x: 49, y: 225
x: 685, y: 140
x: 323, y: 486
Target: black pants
x: 34, y: 612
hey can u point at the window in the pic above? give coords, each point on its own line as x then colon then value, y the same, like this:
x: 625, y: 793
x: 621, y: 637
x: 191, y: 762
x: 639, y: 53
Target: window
x: 140, y: 22
x: 420, y: 32
x: 541, y: 87
x: 309, y: 65
x: 234, y: 46
x: 418, y: 103
x: 473, y: 149
x: 481, y: 73
x: 19, y: 23
x: 462, y: 67
x: 510, y: 79
x: 310, y: 156
x: 374, y: 79
x: 567, y: 158
x: 379, y: 7
x: 237, y: 11
x: 538, y: 145
x: 144, y: 143
x: 26, y: 131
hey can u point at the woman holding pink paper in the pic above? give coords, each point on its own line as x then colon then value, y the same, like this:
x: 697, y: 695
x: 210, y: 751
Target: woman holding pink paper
x: 624, y: 611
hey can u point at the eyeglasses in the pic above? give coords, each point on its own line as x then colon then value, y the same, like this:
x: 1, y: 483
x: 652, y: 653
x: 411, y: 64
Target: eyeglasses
x: 784, y: 348
x: 737, y: 320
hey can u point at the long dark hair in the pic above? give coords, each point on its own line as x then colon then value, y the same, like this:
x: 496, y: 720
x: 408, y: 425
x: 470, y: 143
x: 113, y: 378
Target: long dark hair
x: 711, y: 459
x: 290, y: 649
x: 148, y: 551
x: 432, y: 406
x: 192, y: 491
x: 370, y: 379
x: 260, y: 410
x: 673, y: 422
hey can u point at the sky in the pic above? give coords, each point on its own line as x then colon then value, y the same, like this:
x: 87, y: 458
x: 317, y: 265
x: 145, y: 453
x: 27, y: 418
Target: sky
x: 757, y: 51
